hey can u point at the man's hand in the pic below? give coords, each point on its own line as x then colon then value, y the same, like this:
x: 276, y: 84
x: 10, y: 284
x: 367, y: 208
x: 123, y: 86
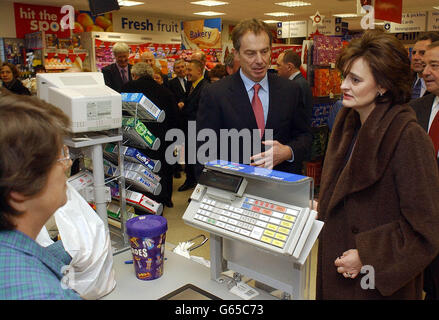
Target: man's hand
x: 180, y: 105
x: 277, y: 154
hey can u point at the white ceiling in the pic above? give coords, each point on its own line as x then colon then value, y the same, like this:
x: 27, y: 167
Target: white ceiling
x: 242, y: 9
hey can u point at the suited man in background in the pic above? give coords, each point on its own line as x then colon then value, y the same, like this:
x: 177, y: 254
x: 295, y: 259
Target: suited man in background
x: 231, y: 63
x: 143, y: 82
x: 201, y: 56
x: 288, y: 66
x: 149, y: 58
x: 118, y: 73
x: 427, y: 112
x: 256, y: 100
x: 417, y: 65
x: 189, y: 113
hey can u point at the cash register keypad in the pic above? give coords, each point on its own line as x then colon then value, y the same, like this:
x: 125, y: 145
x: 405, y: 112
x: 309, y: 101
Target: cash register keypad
x: 263, y: 221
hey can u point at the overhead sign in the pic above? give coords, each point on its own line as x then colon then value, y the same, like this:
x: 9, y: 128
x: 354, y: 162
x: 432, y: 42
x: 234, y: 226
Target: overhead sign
x: 433, y: 21
x: 144, y: 24
x: 292, y: 29
x: 411, y: 22
x: 32, y: 18
x: 327, y: 27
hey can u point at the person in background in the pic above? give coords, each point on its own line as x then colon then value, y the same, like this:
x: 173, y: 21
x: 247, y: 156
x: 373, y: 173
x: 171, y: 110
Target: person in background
x: 217, y: 73
x: 253, y: 99
x: 180, y: 87
x: 118, y: 73
x: 232, y: 63
x: 143, y: 82
x: 200, y: 55
x: 33, y: 164
x: 417, y: 65
x: 380, y: 181
x: 427, y: 112
x: 158, y: 75
x: 189, y: 113
x: 149, y: 58
x: 39, y: 69
x: 9, y: 75
x: 288, y: 67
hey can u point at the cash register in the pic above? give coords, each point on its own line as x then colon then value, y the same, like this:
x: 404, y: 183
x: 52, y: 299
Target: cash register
x: 260, y: 221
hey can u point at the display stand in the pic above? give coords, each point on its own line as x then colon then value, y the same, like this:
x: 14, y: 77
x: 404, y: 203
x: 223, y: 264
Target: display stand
x: 282, y: 266
x: 101, y: 195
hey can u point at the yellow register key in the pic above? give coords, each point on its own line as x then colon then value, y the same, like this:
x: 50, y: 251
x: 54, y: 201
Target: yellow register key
x: 269, y: 233
x: 278, y: 243
x: 286, y: 224
x: 289, y: 218
x: 280, y: 237
x: 266, y: 239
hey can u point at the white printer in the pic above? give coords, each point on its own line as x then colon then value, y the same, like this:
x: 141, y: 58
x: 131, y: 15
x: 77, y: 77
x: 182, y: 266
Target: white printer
x: 84, y: 97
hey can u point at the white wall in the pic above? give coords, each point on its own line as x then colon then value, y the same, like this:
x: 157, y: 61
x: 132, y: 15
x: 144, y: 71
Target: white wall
x: 7, y: 20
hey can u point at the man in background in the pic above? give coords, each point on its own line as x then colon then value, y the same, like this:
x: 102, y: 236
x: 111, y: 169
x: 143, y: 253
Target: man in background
x: 189, y: 113
x: 201, y: 56
x: 149, y: 58
x: 288, y: 67
x: 118, y: 73
x: 427, y: 112
x: 417, y: 65
x: 232, y: 63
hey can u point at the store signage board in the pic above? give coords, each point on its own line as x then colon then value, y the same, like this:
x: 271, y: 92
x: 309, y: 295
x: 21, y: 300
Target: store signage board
x: 327, y: 27
x: 126, y: 23
x: 411, y: 22
x: 32, y: 18
x: 293, y: 29
x: 433, y: 21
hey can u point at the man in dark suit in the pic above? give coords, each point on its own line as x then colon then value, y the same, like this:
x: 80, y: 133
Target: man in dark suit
x: 144, y: 83
x: 257, y: 101
x: 149, y: 58
x: 419, y: 88
x: 427, y: 112
x: 200, y: 55
x: 118, y: 73
x: 288, y: 66
x: 189, y: 113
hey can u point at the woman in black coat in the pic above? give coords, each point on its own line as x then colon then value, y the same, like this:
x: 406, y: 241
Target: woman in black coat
x: 9, y: 76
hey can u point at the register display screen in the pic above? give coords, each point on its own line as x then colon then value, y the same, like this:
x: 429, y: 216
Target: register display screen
x: 221, y: 180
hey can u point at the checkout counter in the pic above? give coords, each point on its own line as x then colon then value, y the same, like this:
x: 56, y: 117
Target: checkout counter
x: 261, y: 228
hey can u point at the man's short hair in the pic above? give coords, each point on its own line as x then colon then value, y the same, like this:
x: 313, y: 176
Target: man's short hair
x: 198, y: 64
x: 291, y: 57
x: 433, y: 45
x: 120, y: 47
x: 179, y: 61
x: 229, y: 60
x: 253, y: 25
x: 202, y: 56
x: 432, y: 36
x: 142, y: 69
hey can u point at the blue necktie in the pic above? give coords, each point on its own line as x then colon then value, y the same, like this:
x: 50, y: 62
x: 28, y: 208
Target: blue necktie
x: 416, y: 90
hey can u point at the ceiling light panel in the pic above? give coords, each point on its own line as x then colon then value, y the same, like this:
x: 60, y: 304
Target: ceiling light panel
x: 130, y: 3
x: 209, y: 13
x: 346, y: 15
x: 210, y: 3
x: 279, y: 14
x: 291, y: 4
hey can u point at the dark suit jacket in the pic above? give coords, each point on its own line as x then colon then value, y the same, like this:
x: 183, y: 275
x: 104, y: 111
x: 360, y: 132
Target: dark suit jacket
x: 175, y: 86
x: 306, y: 93
x: 225, y: 105
x: 422, y: 107
x: 191, y: 105
x: 112, y: 76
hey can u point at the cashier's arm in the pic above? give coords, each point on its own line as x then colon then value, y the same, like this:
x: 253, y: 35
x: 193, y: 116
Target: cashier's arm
x: 277, y: 154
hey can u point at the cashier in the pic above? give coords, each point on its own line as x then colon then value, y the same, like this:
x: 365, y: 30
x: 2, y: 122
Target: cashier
x: 33, y: 162
x: 9, y: 75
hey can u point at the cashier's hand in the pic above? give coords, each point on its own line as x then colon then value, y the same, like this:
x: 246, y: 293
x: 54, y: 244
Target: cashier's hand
x: 277, y: 154
x: 349, y: 264
x: 180, y: 105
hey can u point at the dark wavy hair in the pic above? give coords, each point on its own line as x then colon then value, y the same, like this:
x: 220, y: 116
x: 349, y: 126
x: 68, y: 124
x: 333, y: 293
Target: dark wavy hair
x: 31, y: 137
x: 388, y: 61
x: 253, y: 25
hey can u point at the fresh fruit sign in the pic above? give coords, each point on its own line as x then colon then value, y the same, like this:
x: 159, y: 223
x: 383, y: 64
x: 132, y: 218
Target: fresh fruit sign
x: 33, y: 18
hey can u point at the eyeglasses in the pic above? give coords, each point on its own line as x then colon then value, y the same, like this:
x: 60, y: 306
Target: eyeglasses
x: 65, y: 156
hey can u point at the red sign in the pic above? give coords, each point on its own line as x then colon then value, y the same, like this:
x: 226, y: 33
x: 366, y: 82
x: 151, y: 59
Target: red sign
x: 32, y: 18
x: 388, y: 10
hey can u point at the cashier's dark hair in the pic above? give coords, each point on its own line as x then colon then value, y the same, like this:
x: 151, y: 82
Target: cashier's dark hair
x: 31, y: 137
x: 388, y: 61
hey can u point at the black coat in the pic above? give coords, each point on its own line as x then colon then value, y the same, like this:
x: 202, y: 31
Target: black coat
x: 112, y: 76
x: 176, y: 88
x: 306, y: 93
x: 15, y: 86
x: 225, y: 104
x: 190, y: 109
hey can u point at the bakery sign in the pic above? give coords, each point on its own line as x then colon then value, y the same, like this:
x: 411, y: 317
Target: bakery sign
x: 201, y: 34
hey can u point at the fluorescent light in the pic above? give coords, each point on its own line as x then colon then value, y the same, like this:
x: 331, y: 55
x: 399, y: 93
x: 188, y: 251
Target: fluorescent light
x: 279, y: 14
x: 291, y: 4
x: 272, y: 21
x: 209, y: 3
x: 130, y: 3
x: 379, y: 23
x: 346, y: 15
x: 437, y: 8
x: 209, y: 13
